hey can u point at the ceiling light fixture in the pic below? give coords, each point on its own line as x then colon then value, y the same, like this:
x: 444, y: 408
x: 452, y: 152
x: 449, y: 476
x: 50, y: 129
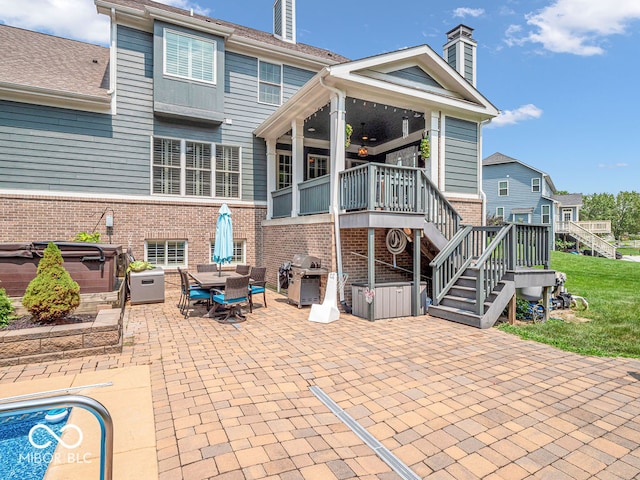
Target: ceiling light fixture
x: 363, y: 151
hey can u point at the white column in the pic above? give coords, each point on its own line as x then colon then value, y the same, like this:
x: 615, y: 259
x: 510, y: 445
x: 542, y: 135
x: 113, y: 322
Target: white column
x: 272, y: 172
x: 338, y: 124
x: 434, y: 136
x: 297, y: 163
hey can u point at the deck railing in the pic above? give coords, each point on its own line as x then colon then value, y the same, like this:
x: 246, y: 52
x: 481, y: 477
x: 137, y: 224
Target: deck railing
x: 595, y: 243
x: 282, y: 202
x: 315, y: 195
x: 593, y: 226
x: 391, y: 188
x: 491, y: 251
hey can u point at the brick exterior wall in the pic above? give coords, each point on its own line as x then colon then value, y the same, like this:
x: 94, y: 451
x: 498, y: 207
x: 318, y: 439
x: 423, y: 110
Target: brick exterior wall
x: 26, y: 218
x: 282, y: 242
x: 470, y: 210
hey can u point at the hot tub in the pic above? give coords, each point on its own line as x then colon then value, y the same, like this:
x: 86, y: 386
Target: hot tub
x: 92, y: 265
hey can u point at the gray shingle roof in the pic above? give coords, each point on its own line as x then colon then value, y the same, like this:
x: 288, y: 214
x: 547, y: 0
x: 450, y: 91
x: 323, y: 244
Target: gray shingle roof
x: 39, y: 60
x: 569, y: 200
x: 498, y: 158
x: 240, y: 30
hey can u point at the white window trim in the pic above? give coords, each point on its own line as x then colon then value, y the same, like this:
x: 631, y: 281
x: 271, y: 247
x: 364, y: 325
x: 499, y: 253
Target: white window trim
x: 281, y: 84
x: 165, y: 240
x: 290, y: 155
x: 498, y: 214
x: 499, y: 182
x: 244, y: 251
x: 183, y: 167
x: 195, y: 37
x: 539, y: 185
x: 308, y: 165
x: 215, y: 171
x: 570, y: 212
x: 542, y: 214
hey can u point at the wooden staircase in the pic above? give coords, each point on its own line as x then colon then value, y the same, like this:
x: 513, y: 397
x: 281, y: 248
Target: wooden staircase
x: 596, y: 244
x: 474, y: 276
x: 459, y: 304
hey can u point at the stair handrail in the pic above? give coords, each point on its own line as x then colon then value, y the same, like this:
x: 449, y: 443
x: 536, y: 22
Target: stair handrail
x: 490, y: 269
x: 448, y: 267
x: 432, y: 192
x: 604, y: 246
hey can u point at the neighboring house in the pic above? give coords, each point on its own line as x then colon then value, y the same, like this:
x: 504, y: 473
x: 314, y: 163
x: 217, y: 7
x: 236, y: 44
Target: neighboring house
x: 184, y: 113
x: 517, y: 192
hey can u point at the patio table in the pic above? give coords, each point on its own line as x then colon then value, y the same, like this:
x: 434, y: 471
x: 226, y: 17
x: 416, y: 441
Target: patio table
x: 213, y: 279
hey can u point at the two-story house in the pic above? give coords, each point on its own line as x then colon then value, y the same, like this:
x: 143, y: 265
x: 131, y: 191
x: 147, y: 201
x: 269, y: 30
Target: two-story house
x: 517, y: 192
x: 312, y: 152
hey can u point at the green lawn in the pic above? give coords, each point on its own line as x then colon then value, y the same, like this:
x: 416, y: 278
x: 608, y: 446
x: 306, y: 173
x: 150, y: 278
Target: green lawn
x: 628, y: 251
x: 612, y: 288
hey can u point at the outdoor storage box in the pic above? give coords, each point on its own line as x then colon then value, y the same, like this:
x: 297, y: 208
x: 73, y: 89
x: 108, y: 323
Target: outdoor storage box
x: 147, y: 286
x: 391, y: 300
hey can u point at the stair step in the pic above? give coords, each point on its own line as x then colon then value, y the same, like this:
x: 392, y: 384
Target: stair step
x: 462, y: 303
x: 465, y: 281
x: 455, y: 315
x: 466, y: 292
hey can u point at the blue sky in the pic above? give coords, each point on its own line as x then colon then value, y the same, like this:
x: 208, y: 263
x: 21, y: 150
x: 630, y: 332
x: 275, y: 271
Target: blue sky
x: 562, y: 72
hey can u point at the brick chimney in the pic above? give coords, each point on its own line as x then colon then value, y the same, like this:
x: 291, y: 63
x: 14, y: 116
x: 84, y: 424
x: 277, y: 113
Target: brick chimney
x: 284, y: 20
x: 460, y: 52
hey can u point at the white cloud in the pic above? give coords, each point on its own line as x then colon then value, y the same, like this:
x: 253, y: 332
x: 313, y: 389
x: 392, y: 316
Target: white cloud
x: 575, y: 26
x: 77, y: 19
x: 468, y: 12
x: 520, y: 114
x: 615, y: 165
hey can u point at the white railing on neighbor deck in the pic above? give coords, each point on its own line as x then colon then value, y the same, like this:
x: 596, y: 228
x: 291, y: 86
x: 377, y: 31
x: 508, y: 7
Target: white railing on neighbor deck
x: 593, y: 226
x: 590, y: 239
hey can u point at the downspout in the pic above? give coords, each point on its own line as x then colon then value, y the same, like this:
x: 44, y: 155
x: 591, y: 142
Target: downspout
x: 113, y: 61
x: 334, y: 207
x: 483, y: 195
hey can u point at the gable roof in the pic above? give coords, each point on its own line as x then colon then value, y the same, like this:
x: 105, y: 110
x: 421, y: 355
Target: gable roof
x: 43, y: 66
x: 237, y: 36
x: 376, y: 80
x: 501, y: 159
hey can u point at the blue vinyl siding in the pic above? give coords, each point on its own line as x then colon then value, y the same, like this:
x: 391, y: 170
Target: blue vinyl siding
x: 56, y: 149
x: 520, y: 194
x: 241, y: 105
x: 461, y: 156
x: 416, y: 75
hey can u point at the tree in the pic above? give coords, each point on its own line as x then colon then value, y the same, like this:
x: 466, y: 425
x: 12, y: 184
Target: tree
x: 622, y: 209
x: 53, y: 294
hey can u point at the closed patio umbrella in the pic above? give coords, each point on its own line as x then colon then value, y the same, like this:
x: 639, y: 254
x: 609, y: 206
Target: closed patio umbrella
x: 223, y: 246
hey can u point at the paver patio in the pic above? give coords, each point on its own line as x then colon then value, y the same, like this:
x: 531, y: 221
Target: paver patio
x: 450, y: 401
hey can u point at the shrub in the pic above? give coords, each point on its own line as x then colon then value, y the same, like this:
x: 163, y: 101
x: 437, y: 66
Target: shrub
x: 87, y: 237
x: 53, y: 294
x: 6, y: 308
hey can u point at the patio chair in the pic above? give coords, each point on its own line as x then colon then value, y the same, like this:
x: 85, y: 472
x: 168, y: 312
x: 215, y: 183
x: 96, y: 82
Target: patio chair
x: 243, y: 269
x: 236, y: 293
x: 189, y: 292
x: 258, y: 283
x: 207, y: 267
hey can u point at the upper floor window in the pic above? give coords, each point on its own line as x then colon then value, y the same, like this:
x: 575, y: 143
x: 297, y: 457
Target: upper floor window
x: 317, y: 166
x: 166, y: 253
x: 535, y: 185
x: 546, y: 214
x: 184, y: 167
x: 189, y: 57
x: 503, y: 188
x: 285, y: 173
x: 269, y: 83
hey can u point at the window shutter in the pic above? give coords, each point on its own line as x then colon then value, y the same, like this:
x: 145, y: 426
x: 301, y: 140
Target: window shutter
x: 227, y: 171
x: 166, y: 166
